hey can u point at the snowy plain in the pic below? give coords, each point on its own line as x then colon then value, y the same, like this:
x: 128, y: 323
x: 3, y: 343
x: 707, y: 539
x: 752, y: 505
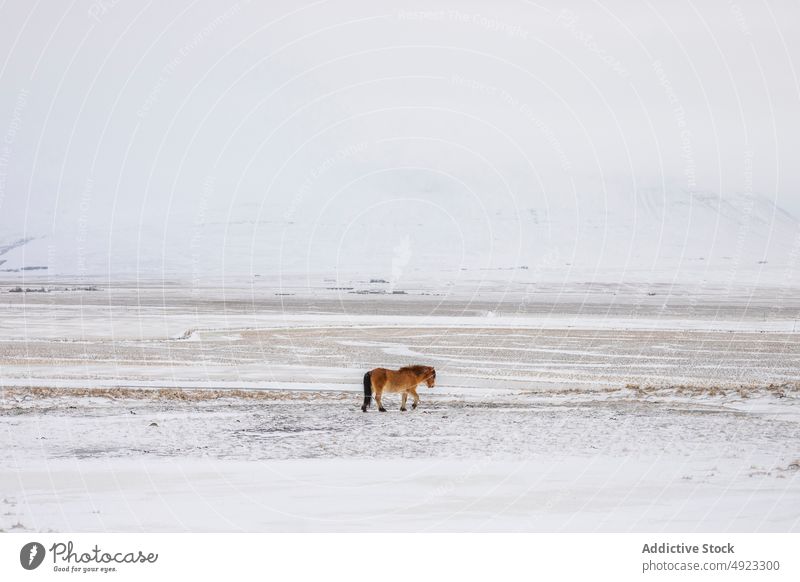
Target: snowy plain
x: 159, y: 408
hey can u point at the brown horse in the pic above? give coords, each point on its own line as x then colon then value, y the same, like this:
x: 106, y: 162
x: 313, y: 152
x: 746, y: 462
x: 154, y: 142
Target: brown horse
x: 405, y: 380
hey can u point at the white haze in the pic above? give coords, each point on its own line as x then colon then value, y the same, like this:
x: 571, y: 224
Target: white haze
x: 609, y: 140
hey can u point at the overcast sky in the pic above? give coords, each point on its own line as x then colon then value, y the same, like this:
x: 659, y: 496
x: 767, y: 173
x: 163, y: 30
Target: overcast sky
x: 123, y: 112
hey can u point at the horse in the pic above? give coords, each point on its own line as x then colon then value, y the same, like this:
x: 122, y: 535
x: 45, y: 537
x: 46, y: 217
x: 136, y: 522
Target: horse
x: 405, y: 380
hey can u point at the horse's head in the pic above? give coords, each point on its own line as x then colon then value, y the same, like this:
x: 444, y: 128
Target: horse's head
x: 430, y: 377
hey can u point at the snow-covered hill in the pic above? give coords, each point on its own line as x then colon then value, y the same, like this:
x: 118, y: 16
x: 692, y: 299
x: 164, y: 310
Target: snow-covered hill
x: 428, y: 241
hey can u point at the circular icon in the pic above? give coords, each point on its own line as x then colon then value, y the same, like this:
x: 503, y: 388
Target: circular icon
x: 31, y: 555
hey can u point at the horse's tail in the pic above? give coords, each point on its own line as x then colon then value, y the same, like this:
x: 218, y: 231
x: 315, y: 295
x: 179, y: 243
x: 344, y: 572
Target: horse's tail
x: 367, y: 391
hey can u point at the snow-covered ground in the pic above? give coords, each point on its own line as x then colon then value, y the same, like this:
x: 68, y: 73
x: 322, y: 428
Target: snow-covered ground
x: 162, y: 409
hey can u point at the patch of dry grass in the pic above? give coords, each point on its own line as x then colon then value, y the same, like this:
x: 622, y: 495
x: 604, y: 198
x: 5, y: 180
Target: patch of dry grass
x: 188, y: 395
x: 743, y: 391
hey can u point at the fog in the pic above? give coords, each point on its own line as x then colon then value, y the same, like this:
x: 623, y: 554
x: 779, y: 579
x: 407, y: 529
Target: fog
x: 119, y: 115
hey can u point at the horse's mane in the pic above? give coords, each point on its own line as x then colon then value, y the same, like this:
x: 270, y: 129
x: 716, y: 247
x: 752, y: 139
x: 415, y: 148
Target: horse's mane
x: 416, y: 369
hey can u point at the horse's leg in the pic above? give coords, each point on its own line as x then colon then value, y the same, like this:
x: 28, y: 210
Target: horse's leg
x: 403, y: 403
x: 416, y: 397
x: 378, y: 393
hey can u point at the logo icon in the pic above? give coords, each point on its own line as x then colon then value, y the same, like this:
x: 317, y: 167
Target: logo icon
x: 31, y: 555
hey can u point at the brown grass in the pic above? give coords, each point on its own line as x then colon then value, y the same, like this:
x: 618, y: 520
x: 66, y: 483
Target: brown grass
x: 188, y: 395
x: 743, y: 390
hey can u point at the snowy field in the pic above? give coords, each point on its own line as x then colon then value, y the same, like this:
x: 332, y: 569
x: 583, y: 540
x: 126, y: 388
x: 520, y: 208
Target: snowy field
x: 607, y: 408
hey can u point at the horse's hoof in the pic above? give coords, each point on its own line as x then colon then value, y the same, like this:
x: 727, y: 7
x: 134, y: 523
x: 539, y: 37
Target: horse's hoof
x: 363, y: 409
x: 413, y: 406
x: 382, y: 409
x: 403, y: 409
